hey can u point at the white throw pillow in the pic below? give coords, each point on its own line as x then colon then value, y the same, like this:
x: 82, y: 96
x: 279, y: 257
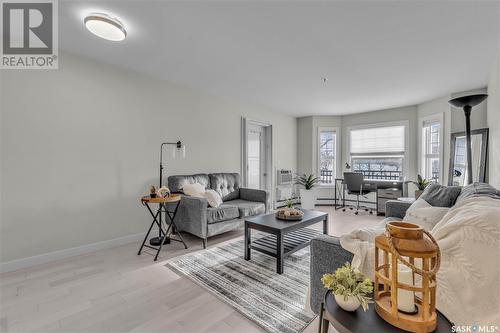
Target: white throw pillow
x: 425, y: 215
x: 213, y: 198
x: 194, y: 190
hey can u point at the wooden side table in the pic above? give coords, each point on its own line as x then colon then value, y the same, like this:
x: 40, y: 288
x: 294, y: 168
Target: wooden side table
x: 363, y: 322
x: 163, y: 236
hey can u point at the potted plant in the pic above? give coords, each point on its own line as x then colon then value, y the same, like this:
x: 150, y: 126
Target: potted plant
x: 421, y: 184
x: 349, y: 287
x: 152, y: 192
x: 307, y: 194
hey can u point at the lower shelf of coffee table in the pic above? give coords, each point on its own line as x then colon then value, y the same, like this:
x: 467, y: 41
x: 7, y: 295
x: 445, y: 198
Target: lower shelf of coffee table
x: 292, y: 242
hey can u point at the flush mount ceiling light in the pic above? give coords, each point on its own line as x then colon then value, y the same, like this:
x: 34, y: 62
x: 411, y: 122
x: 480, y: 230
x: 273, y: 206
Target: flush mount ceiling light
x: 106, y: 27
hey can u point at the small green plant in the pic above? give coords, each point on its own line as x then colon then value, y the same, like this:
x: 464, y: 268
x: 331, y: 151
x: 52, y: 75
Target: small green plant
x: 347, y: 282
x: 421, y: 183
x: 289, y: 203
x: 308, y: 181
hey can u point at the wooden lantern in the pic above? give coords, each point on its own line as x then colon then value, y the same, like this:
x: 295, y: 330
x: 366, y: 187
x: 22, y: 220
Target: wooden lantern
x: 403, y: 246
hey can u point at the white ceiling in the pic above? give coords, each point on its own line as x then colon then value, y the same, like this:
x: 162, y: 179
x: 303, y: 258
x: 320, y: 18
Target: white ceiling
x: 375, y: 54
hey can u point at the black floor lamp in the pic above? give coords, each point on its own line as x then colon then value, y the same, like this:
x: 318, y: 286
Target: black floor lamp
x: 178, y: 148
x: 467, y: 102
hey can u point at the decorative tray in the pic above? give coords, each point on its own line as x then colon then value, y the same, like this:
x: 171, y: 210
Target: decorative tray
x: 289, y: 214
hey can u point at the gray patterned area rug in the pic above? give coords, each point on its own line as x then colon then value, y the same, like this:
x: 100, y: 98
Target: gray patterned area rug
x: 275, y: 302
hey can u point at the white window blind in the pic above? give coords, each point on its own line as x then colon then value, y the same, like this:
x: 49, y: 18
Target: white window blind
x: 390, y: 139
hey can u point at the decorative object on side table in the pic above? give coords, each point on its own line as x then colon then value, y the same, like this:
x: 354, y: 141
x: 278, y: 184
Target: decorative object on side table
x: 351, y: 288
x: 163, y: 192
x: 421, y: 184
x: 152, y: 192
x: 307, y: 194
x: 397, y: 302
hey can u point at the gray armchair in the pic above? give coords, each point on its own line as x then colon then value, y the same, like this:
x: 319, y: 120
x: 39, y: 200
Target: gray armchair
x: 197, y: 218
x: 327, y: 255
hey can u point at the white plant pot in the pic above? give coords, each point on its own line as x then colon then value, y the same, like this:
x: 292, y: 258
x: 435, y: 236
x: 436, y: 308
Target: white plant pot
x: 351, y: 304
x: 307, y: 198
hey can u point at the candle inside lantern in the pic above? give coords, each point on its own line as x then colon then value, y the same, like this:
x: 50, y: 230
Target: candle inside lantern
x: 406, y: 298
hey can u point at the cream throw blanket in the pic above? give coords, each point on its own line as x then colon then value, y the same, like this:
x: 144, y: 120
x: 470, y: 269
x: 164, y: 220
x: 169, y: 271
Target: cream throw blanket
x: 468, y: 289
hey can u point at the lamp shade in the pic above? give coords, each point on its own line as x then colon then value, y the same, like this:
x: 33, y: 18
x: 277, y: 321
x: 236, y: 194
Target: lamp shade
x: 179, y: 151
x: 471, y: 100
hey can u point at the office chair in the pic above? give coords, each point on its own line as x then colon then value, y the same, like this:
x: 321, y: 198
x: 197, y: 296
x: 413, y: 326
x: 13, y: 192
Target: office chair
x: 356, y: 185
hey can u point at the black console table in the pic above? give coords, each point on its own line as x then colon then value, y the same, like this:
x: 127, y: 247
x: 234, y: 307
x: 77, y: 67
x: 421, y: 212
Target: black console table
x: 363, y: 322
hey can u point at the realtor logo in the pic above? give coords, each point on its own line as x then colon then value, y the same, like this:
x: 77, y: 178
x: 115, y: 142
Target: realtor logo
x: 29, y: 34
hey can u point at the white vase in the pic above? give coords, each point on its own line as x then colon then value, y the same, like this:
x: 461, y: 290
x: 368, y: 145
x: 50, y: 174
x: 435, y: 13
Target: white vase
x: 307, y: 198
x: 351, y: 304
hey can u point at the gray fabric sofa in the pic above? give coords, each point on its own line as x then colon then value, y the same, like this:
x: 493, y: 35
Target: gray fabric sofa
x: 327, y: 255
x: 197, y: 218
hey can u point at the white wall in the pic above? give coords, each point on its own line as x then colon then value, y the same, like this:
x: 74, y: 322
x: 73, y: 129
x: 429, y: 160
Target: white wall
x: 304, y: 144
x: 81, y: 145
x: 493, y: 119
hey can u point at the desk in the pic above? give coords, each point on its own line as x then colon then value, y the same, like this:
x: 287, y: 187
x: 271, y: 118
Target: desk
x: 385, y: 190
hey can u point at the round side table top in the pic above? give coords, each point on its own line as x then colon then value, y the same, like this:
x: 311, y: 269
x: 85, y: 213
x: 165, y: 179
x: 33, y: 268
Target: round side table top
x: 369, y: 321
x: 170, y: 198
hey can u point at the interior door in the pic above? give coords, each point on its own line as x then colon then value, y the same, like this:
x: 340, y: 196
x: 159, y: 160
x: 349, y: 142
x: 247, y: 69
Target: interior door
x: 256, y: 156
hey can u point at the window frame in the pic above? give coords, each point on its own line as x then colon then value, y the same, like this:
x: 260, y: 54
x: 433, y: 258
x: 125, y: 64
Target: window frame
x: 422, y: 156
x: 404, y: 123
x: 337, y: 155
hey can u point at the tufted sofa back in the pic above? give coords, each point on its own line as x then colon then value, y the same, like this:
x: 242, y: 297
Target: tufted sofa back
x: 226, y: 184
x: 175, y: 183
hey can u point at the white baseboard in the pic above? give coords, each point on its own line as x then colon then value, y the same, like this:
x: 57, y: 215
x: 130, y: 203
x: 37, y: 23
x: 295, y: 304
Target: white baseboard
x: 14, y: 265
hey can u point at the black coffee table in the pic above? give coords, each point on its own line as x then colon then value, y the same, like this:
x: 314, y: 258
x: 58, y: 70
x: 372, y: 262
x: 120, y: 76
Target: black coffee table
x: 285, y: 237
x: 364, y: 322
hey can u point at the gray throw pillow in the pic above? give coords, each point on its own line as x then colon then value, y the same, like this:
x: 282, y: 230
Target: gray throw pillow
x: 441, y: 196
x: 479, y: 190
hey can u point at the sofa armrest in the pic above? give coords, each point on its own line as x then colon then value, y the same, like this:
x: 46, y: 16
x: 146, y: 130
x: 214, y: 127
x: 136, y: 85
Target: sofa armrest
x: 326, y: 256
x: 251, y: 194
x: 396, y: 208
x: 192, y: 216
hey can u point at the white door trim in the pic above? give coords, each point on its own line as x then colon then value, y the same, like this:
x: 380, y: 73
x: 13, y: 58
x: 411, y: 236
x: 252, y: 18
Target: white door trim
x: 439, y: 116
x: 245, y: 122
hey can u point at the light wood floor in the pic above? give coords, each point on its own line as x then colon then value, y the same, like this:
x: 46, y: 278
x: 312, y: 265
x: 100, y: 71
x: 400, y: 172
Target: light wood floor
x: 116, y: 290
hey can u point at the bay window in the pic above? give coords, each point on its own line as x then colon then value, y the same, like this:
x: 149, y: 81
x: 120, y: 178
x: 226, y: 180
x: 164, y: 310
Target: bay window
x: 327, y: 150
x: 431, y: 159
x: 378, y: 152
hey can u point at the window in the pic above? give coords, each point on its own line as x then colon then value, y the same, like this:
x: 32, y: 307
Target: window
x: 378, y: 152
x: 327, y: 146
x: 460, y: 163
x: 431, y: 150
